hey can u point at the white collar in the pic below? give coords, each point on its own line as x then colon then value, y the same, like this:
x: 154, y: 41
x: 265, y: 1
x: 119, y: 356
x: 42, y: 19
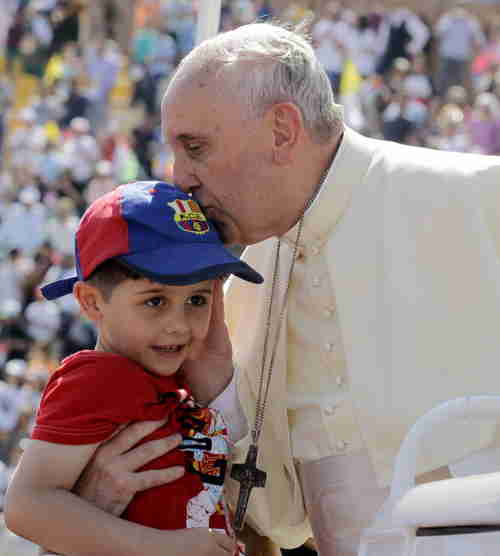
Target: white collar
x: 348, y: 168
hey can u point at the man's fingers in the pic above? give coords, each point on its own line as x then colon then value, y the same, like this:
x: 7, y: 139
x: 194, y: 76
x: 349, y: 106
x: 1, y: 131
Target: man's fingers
x: 218, y: 303
x: 139, y: 456
x: 157, y: 477
x: 122, y: 442
x: 224, y: 541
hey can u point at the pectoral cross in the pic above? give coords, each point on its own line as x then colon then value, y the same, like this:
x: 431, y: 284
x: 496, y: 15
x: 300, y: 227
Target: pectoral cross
x: 249, y: 477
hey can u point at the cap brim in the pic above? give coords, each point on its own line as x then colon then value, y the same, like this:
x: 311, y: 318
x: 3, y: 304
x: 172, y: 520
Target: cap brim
x: 59, y: 288
x: 171, y: 265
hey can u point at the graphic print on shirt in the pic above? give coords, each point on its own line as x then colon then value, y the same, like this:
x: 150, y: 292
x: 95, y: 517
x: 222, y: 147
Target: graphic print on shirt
x: 206, y: 447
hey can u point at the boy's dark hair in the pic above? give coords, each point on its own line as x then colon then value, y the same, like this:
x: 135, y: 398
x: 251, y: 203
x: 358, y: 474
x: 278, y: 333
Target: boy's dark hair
x: 110, y: 274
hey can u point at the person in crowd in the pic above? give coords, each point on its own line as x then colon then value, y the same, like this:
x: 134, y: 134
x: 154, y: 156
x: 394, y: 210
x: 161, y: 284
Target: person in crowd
x: 451, y: 133
x: 81, y: 153
x: 397, y: 121
x: 459, y: 37
x: 103, y: 182
x: 76, y: 104
x: 484, y: 125
x: 65, y: 19
x: 5, y: 104
x: 165, y: 280
x: 11, y: 397
x: 11, y: 405
x: 367, y: 45
x: 26, y: 140
x: 15, y: 33
x: 144, y: 144
x: 328, y: 39
x: 103, y: 60
x: 418, y: 83
x: 16, y: 343
x: 43, y: 320
x: 24, y: 221
x: 406, y: 36
x: 361, y: 285
x: 11, y: 276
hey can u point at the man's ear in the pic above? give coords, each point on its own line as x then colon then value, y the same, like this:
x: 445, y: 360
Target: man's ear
x: 287, y: 125
x: 89, y: 298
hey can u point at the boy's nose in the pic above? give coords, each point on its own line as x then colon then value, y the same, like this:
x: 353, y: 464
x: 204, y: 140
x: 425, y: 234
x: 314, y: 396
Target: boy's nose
x: 176, y: 324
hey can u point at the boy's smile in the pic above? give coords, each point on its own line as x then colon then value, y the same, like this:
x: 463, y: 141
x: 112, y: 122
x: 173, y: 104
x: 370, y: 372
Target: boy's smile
x: 156, y: 325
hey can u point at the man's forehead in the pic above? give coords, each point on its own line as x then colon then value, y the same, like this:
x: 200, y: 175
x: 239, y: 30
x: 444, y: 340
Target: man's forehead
x: 190, y: 111
x: 191, y: 82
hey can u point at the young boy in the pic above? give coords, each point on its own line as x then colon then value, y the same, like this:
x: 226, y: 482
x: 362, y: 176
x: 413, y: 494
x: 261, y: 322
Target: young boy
x: 149, y: 266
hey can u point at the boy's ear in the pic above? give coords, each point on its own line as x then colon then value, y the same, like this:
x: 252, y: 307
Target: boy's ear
x: 89, y: 299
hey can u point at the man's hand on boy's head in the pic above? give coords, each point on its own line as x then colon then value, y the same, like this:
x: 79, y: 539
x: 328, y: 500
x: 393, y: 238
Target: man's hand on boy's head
x: 211, y: 369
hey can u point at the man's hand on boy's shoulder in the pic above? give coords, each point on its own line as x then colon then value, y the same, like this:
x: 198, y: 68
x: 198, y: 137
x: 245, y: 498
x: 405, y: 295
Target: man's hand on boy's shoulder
x: 211, y: 369
x: 110, y: 480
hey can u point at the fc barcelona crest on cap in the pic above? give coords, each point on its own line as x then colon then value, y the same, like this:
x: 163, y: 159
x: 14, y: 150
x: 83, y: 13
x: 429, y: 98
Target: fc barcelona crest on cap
x: 188, y: 216
x: 133, y: 225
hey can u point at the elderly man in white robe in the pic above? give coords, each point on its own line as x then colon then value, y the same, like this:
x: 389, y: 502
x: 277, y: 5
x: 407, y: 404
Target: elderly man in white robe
x: 382, y: 293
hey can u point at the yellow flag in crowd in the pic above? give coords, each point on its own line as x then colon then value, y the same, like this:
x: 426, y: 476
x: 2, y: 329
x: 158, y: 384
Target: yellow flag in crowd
x: 350, y: 80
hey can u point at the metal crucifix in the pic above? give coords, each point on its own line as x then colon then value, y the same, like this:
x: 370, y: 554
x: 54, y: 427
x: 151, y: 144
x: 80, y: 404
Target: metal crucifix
x: 249, y: 477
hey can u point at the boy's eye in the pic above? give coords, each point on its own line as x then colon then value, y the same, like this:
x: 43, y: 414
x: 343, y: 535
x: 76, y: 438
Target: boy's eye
x: 197, y: 300
x: 155, y: 302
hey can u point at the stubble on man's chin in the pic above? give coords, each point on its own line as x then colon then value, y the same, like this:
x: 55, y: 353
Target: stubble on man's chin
x: 217, y: 224
x: 220, y: 227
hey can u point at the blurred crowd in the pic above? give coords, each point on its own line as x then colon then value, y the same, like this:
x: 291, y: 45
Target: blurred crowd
x: 80, y: 87
x: 404, y: 77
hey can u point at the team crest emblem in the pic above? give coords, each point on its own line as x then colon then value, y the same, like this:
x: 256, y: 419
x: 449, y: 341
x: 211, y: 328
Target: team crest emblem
x: 188, y: 216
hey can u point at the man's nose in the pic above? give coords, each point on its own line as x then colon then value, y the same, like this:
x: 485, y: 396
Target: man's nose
x: 183, y: 179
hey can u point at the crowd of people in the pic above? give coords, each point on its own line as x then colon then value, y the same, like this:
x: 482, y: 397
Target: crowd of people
x: 78, y: 117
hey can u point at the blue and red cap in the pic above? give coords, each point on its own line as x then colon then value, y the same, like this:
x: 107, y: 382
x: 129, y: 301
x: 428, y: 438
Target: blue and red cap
x: 155, y: 229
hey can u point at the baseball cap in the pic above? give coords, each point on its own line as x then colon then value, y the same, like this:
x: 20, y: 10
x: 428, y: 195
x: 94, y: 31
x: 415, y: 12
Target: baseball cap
x: 155, y: 229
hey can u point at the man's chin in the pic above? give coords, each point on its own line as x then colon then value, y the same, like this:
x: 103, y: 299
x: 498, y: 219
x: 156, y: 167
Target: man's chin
x: 224, y: 232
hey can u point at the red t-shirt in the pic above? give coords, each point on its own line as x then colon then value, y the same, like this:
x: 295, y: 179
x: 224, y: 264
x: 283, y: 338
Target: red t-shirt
x: 94, y: 392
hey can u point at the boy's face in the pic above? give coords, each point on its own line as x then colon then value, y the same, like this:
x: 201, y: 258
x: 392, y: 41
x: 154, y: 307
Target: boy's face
x: 156, y: 325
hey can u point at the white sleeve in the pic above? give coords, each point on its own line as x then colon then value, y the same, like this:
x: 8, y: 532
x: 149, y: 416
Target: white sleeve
x: 228, y: 403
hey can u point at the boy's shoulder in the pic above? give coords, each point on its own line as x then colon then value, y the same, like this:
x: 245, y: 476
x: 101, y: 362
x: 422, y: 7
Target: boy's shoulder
x: 98, y: 361
x: 100, y: 373
x: 106, y: 386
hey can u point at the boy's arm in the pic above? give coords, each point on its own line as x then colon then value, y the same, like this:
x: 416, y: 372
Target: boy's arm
x: 40, y: 507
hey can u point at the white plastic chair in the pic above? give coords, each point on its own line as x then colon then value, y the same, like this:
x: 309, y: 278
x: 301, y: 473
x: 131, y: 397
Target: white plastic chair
x: 460, y: 505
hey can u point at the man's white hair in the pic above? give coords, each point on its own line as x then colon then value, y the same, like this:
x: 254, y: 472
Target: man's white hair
x: 262, y: 64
